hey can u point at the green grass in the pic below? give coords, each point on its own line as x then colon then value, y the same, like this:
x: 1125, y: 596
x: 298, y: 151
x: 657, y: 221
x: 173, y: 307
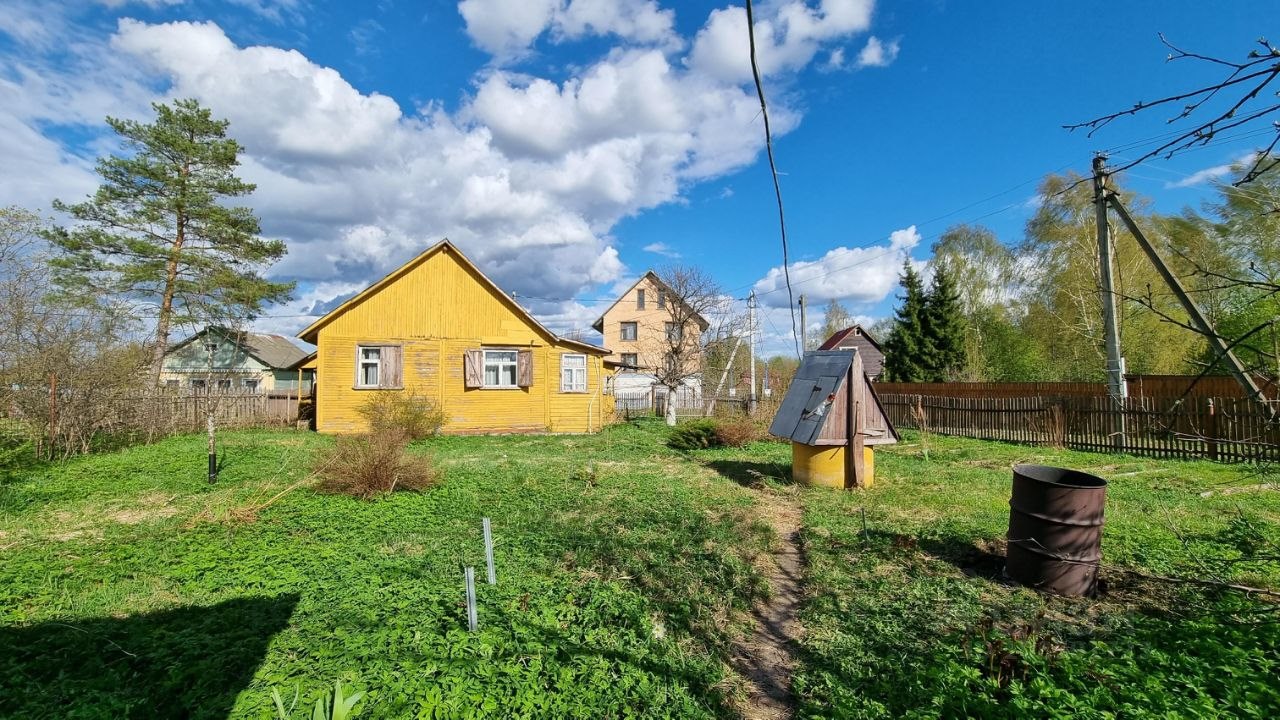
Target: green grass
x: 127, y: 589
x: 913, y: 618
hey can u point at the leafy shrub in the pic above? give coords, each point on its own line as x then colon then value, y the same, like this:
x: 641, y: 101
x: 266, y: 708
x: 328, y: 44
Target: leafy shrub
x: 737, y: 432
x: 694, y: 435
x: 415, y: 416
x: 366, y: 466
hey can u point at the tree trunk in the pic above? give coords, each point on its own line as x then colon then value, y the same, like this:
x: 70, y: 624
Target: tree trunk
x: 166, y: 303
x: 671, y: 406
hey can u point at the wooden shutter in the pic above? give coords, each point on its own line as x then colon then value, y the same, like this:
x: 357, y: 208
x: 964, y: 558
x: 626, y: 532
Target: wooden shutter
x: 392, y: 375
x: 524, y: 368
x: 473, y: 368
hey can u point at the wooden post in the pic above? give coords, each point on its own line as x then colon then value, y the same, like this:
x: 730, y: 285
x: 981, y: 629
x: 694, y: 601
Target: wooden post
x: 53, y: 412
x: 855, y: 421
x: 1211, y: 431
x: 1111, y: 326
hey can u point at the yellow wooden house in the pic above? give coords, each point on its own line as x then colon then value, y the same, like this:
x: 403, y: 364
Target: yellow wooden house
x: 439, y: 328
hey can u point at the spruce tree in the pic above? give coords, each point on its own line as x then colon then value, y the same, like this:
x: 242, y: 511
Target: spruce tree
x: 944, y: 328
x: 159, y: 229
x: 907, y: 351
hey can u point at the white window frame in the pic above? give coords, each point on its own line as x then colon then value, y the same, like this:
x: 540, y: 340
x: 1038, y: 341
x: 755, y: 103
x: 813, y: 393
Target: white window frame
x: 573, y: 379
x: 514, y: 364
x: 635, y: 331
x: 251, y: 384
x: 198, y: 383
x: 361, y: 362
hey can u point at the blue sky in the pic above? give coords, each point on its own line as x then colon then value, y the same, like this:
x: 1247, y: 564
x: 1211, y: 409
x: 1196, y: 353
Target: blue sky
x: 568, y: 145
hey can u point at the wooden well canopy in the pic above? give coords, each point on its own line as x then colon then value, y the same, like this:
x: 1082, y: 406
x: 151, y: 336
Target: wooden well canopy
x: 815, y: 410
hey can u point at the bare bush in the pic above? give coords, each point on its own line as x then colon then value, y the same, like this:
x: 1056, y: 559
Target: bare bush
x: 738, y: 432
x: 374, y: 464
x: 67, y: 363
x: 413, y: 415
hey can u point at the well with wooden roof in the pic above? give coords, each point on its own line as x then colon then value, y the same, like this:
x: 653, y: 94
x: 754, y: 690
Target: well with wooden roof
x: 834, y: 420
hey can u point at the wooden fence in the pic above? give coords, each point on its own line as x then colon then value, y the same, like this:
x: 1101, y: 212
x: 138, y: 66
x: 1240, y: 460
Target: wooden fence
x: 1139, y: 386
x: 1226, y: 429
x: 175, y: 413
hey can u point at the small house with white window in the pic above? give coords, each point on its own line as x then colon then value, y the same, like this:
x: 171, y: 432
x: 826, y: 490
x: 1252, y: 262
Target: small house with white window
x: 228, y: 360
x: 438, y: 328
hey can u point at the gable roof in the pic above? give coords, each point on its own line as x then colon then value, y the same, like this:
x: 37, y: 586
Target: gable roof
x: 274, y: 351
x: 652, y: 276
x: 816, y: 391
x: 857, y: 336
x: 311, y: 332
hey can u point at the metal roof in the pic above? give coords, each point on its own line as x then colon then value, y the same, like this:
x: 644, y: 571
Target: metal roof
x: 274, y: 351
x: 817, y: 394
x: 820, y: 375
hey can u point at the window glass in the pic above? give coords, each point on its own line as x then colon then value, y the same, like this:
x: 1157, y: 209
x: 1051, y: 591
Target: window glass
x: 500, y: 368
x: 630, y: 360
x: 662, y: 299
x: 628, y: 331
x: 370, y: 366
x: 573, y: 373
x: 251, y: 384
x: 640, y: 299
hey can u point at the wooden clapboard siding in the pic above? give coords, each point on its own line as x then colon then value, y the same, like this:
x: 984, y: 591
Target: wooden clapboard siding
x: 437, y: 310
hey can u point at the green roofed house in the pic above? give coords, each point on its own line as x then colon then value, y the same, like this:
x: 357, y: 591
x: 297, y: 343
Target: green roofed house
x: 242, y: 362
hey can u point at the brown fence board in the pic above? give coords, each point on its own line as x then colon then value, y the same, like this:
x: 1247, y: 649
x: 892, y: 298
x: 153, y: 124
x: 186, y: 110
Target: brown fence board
x: 1235, y: 430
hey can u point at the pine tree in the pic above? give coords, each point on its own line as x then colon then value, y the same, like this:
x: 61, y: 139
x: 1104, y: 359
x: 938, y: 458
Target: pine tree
x: 944, y: 328
x: 158, y: 229
x: 907, y: 351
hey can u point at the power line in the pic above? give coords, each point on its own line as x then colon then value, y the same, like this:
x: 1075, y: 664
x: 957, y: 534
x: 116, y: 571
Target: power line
x: 773, y: 168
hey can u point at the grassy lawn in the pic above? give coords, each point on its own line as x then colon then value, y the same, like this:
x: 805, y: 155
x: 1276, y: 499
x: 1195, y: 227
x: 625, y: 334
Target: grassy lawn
x: 131, y: 588
x: 913, y: 618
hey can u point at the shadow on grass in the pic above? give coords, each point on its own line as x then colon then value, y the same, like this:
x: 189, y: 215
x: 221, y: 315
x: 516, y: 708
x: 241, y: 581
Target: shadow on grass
x: 899, y: 633
x: 185, y: 663
x: 752, y: 474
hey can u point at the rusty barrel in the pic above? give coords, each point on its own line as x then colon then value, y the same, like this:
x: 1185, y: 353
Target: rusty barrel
x: 1055, y: 529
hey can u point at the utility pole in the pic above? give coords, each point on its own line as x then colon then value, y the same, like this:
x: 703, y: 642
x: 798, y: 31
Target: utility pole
x: 751, y: 322
x: 1111, y: 326
x: 1194, y: 313
x: 804, y: 331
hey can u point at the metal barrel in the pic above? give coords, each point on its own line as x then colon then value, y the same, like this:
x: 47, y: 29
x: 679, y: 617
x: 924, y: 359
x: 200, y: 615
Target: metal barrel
x: 1055, y: 529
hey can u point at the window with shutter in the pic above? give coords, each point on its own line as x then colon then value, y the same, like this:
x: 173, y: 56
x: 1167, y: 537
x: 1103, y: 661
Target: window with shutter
x: 573, y: 373
x: 379, y: 367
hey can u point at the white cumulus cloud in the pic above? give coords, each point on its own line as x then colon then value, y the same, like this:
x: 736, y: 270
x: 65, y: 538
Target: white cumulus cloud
x: 860, y: 275
x: 528, y: 175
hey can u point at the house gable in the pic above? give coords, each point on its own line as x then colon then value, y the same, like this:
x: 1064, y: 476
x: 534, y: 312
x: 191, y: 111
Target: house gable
x: 438, y: 294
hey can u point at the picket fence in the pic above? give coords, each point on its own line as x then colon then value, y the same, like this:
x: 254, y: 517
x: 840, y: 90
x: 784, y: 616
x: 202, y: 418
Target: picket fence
x: 1230, y: 429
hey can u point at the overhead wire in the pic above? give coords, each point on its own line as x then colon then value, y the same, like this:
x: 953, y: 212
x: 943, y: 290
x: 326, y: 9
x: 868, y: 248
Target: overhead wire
x: 773, y: 169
